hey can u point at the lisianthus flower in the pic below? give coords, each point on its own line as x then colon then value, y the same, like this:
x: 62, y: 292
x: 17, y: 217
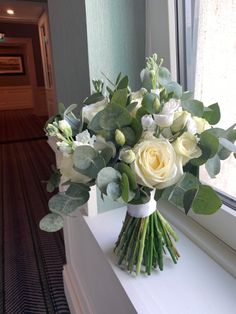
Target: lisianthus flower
x: 84, y: 138
x: 165, y: 118
x: 148, y: 124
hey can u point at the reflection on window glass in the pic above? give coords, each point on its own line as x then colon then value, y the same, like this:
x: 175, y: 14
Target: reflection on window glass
x: 215, y: 76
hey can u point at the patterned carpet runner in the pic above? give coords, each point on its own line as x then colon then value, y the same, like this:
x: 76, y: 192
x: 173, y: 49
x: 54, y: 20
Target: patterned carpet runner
x: 31, y: 260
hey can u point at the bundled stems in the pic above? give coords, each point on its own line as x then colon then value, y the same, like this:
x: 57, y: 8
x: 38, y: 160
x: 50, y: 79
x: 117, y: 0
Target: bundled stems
x: 144, y: 241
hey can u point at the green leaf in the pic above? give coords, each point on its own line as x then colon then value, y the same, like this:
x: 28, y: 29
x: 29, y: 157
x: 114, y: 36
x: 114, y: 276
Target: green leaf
x: 124, y: 82
x: 206, y: 201
x: 140, y: 113
x: 120, y: 97
x: 78, y: 190
x: 130, y: 136
x: 124, y: 168
x: 106, y: 176
x: 124, y: 188
x: 175, y: 194
x: 64, y: 204
x: 212, y: 116
x: 186, y: 95
x: 146, y: 79
x: 51, y: 223
x: 164, y: 76
x: 148, y: 102
x: 74, y: 122
x: 189, y: 198
x: 209, y: 145
x: 53, y: 181
x: 61, y: 108
x: 114, y: 117
x: 113, y: 191
x: 213, y: 166
x: 107, y: 153
x: 88, y: 161
x: 94, y: 98
x: 195, y: 107
x: 118, y: 78
x: 174, y: 87
x: 137, y: 127
x: 227, y: 144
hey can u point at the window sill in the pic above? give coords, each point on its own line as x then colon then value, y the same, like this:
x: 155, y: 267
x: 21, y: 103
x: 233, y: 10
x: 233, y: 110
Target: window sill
x: 197, y: 284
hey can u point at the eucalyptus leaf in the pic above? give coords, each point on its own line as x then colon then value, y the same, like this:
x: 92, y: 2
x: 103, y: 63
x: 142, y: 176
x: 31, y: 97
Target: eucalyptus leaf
x: 212, y: 115
x: 51, y: 223
x: 88, y: 161
x: 174, y: 87
x: 114, y: 117
x: 106, y: 176
x: 53, y: 181
x: 64, y: 204
x: 206, y: 201
x: 195, y: 107
x: 113, y: 191
x: 148, y: 102
x: 146, y: 79
x: 213, y: 166
x: 130, y: 136
x: 186, y: 95
x: 164, y: 76
x: 61, y: 109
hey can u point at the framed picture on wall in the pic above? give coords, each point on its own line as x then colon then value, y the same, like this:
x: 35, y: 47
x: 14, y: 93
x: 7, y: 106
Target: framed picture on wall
x: 11, y: 65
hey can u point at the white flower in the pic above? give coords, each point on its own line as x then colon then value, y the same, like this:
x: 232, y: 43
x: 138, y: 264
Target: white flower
x: 166, y: 116
x: 68, y: 173
x: 127, y: 155
x: 181, y: 118
x: 89, y: 111
x: 64, y: 147
x: 84, y: 138
x: 186, y: 147
x: 52, y: 130
x: 65, y: 128
x: 156, y: 164
x: 148, y: 123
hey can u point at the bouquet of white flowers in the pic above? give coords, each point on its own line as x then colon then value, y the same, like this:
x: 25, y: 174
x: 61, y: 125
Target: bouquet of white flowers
x: 138, y: 147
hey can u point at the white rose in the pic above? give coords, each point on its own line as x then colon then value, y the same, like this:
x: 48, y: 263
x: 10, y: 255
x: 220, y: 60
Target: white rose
x: 180, y: 120
x: 156, y: 164
x: 68, y: 173
x: 89, y: 111
x: 186, y: 147
x: 64, y: 147
x: 165, y: 118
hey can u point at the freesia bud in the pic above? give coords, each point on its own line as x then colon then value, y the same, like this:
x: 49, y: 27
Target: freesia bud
x: 119, y: 137
x: 65, y: 128
x: 127, y: 155
x: 51, y: 130
x: 156, y: 105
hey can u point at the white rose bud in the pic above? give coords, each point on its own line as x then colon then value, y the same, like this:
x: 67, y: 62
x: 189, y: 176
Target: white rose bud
x: 65, y: 128
x: 127, y: 155
x: 180, y: 120
x: 119, y: 137
x: 186, y: 147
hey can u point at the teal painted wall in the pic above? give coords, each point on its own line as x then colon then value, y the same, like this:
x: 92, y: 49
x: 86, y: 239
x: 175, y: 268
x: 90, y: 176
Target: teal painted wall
x: 116, y: 43
x: 116, y: 38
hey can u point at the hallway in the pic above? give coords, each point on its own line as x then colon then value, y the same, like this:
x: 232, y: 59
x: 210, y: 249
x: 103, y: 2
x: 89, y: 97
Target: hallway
x: 31, y: 260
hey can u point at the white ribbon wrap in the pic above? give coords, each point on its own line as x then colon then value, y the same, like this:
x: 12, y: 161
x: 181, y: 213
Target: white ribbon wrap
x: 142, y: 210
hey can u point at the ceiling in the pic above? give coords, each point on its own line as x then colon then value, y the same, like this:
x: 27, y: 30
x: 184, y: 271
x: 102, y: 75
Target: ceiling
x: 25, y: 11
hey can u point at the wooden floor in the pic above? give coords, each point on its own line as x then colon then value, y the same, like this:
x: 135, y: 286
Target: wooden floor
x: 31, y: 260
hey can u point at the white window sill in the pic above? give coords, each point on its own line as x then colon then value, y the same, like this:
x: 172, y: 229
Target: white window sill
x: 197, y: 284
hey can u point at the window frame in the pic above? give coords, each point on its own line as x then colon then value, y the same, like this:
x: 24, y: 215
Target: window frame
x: 222, y: 224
